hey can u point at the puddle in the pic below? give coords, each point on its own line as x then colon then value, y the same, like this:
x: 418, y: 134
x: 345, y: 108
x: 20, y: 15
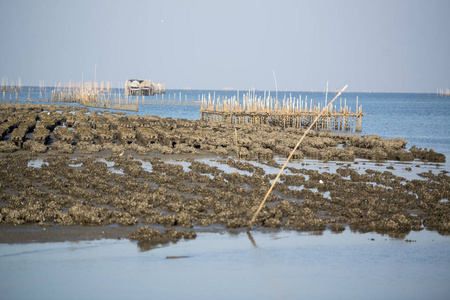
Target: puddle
x: 224, y: 167
x: 245, y: 186
x: 268, y: 169
x: 146, y: 165
x: 400, y: 168
x: 64, y: 126
x: 360, y: 166
x: 110, y: 166
x: 326, y: 194
x: 37, y: 163
x: 76, y: 165
x: 73, y: 164
x: 117, y: 171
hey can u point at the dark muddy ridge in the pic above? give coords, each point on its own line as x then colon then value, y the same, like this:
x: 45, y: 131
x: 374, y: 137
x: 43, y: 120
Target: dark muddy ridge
x: 110, y: 171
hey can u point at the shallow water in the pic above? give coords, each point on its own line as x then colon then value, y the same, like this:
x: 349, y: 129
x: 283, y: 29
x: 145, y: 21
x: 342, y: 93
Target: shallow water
x: 37, y: 163
x: 110, y: 166
x: 224, y: 167
x: 283, y: 264
x: 361, y: 165
x: 146, y: 165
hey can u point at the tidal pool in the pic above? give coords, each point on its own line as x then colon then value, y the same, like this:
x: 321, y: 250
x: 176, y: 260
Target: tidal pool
x: 37, y: 163
x: 269, y: 265
x: 110, y: 166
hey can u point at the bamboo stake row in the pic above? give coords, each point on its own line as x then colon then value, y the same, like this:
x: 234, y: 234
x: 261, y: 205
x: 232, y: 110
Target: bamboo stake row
x: 442, y: 92
x: 9, y: 86
x: 89, y: 94
x: 288, y: 112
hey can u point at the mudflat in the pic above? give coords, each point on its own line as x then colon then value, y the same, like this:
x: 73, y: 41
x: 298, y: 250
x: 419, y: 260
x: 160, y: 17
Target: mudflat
x: 77, y: 174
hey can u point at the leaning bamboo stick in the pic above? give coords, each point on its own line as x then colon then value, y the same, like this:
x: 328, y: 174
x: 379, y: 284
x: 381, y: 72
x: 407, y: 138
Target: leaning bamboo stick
x: 289, y: 158
x: 236, y: 141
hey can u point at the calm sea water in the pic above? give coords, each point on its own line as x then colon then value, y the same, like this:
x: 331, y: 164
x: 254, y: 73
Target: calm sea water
x: 278, y: 265
x: 281, y: 265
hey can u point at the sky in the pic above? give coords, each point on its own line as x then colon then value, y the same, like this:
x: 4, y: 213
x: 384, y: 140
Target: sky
x: 377, y: 46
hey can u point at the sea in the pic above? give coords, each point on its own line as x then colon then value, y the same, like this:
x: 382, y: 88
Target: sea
x: 276, y: 264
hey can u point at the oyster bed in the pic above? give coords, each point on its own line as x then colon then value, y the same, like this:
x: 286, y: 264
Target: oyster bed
x: 63, y: 168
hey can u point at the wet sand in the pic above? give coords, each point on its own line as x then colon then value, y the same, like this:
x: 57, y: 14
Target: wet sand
x: 76, y: 175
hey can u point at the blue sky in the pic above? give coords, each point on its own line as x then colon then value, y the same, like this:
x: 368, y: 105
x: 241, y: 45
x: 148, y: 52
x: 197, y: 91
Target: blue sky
x: 380, y: 46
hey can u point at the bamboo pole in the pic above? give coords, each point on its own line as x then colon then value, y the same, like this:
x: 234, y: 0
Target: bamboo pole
x: 288, y: 159
x: 276, y: 86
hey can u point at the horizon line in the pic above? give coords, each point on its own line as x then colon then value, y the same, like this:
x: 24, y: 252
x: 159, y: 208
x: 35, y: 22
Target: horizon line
x: 440, y: 92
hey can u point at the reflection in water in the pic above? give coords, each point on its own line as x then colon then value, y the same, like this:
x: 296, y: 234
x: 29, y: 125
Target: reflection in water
x: 250, y: 237
x: 145, y: 246
x: 176, y: 256
x: 392, y: 234
x: 315, y: 233
x: 397, y: 235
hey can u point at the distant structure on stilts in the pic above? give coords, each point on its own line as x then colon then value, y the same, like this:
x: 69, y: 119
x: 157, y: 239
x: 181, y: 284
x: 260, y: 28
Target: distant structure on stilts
x: 141, y: 87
